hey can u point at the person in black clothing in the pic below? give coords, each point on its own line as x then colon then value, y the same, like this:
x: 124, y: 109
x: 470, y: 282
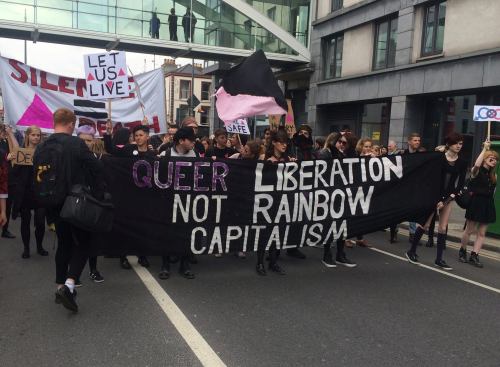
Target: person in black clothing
x: 140, y: 149
x: 189, y: 24
x: 154, y: 26
x: 338, y: 146
x: 481, y: 210
x: 303, y: 143
x: 452, y: 181
x: 191, y: 122
x: 220, y: 148
x: 172, y: 25
x: 24, y: 197
x: 73, y: 242
x: 4, y: 149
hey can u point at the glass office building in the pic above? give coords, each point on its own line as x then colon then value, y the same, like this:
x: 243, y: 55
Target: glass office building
x: 211, y: 23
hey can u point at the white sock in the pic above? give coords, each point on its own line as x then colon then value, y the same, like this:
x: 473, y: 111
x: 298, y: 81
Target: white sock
x: 70, y: 285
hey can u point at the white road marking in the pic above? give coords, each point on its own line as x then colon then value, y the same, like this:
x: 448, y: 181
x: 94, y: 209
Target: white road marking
x: 447, y: 273
x: 193, y: 338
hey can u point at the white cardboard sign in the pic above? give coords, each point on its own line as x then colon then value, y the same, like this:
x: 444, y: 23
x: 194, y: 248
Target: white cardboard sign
x: 486, y: 113
x: 106, y: 75
x: 239, y: 126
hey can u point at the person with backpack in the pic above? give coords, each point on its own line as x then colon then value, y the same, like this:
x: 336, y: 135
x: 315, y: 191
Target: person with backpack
x: 59, y: 163
x: 24, y: 198
x: 184, y: 140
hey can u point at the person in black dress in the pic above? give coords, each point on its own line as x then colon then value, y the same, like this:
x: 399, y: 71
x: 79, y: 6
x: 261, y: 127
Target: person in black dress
x: 24, y: 196
x: 172, y: 25
x: 452, y: 181
x: 481, y: 210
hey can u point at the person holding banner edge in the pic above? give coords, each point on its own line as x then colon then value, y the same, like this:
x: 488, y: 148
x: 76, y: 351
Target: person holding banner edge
x: 452, y: 181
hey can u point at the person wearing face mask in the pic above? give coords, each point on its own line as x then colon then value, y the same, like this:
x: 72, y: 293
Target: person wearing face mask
x: 481, y: 210
x: 24, y: 203
x: 452, y: 181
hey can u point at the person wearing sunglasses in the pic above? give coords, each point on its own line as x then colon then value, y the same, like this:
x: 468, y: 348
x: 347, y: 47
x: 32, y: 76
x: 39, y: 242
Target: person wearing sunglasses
x: 338, y: 146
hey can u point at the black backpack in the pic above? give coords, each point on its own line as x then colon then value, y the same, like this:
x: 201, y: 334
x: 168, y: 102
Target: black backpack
x: 50, y: 174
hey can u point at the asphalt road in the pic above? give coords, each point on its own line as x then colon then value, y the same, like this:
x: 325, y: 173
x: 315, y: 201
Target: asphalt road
x: 385, y: 312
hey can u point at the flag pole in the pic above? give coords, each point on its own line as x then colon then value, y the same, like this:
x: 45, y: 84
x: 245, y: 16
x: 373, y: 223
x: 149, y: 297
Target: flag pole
x: 137, y: 92
x: 489, y: 130
x: 109, y: 109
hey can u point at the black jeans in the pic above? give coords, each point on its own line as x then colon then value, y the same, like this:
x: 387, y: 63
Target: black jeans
x: 39, y: 220
x: 72, y: 251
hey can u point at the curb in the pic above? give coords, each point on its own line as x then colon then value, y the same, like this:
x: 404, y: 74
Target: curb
x: 458, y: 239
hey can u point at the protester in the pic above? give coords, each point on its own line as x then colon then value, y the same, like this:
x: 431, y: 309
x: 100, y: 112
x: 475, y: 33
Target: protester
x: 118, y: 146
x: 319, y: 143
x: 172, y: 25
x: 275, y: 153
x: 338, y: 146
x: 184, y: 140
x: 205, y: 141
x: 303, y: 143
x: 4, y: 147
x: 413, y: 141
x: 3, y: 188
x: 73, y: 242
x: 191, y: 122
x: 24, y: 197
x: 392, y: 148
x: 452, y: 180
x: 481, y: 210
x: 220, y: 149
x: 364, y: 147
x: 87, y: 134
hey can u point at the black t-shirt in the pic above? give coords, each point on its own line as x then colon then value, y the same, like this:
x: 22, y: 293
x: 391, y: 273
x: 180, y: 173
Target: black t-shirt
x: 220, y: 153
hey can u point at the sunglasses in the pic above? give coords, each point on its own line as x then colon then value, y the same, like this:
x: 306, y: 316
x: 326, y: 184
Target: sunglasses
x: 343, y: 142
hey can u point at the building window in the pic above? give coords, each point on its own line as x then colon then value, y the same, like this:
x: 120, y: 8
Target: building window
x: 433, y: 36
x: 205, y: 91
x: 332, y: 51
x: 204, y: 116
x: 271, y: 14
x: 385, y: 44
x: 181, y: 113
x: 337, y: 4
x: 465, y: 104
x: 185, y: 89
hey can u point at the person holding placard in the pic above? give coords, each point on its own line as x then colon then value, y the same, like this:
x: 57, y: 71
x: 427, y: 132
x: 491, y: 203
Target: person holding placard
x: 24, y: 197
x: 481, y: 210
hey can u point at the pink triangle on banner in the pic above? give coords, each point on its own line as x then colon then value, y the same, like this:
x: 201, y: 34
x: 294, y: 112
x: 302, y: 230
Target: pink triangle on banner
x: 121, y: 73
x: 109, y: 83
x: 37, y: 114
x: 90, y: 77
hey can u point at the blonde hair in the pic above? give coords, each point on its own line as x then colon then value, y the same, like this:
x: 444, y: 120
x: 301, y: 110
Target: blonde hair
x: 97, y: 147
x: 29, y: 130
x: 329, y: 139
x: 493, y: 176
x: 361, y: 143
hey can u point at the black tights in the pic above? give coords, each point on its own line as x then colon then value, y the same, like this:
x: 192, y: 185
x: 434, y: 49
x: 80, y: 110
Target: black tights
x: 39, y: 220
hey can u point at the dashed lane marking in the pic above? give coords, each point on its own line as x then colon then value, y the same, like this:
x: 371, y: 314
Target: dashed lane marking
x: 193, y: 338
x: 447, y: 273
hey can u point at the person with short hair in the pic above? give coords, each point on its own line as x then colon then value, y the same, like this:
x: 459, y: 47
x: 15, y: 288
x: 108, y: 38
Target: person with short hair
x: 481, y: 210
x: 172, y: 25
x: 220, y: 149
x: 414, y: 146
x: 452, y: 181
x: 73, y: 242
x: 183, y: 140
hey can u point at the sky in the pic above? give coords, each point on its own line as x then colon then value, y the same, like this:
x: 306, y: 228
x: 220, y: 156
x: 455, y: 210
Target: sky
x: 68, y: 60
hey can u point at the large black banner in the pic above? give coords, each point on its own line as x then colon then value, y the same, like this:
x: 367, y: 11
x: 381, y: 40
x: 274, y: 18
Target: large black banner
x: 172, y: 206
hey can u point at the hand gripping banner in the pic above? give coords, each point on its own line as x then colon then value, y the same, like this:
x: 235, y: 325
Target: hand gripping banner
x: 204, y: 206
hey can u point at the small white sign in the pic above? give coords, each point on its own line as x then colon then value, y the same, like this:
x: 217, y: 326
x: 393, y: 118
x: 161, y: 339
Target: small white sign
x: 239, y: 126
x: 106, y: 75
x: 486, y: 113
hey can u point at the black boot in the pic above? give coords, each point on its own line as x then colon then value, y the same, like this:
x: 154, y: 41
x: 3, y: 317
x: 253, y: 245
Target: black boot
x: 40, y: 250
x: 474, y: 260
x: 430, y: 242
x: 26, y: 252
x: 462, y: 255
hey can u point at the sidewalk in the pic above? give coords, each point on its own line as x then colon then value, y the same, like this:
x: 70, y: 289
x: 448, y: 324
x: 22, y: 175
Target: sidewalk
x: 455, y: 230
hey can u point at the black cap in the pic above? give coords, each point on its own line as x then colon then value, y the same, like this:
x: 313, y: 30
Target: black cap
x: 184, y: 133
